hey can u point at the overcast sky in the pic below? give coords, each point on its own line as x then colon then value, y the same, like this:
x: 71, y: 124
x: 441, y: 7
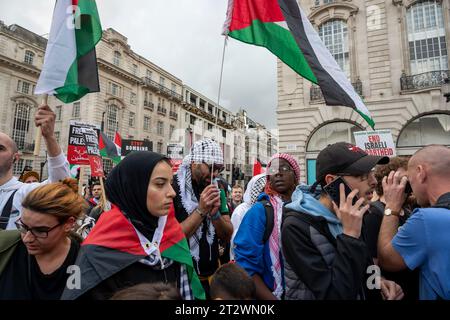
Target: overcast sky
x: 184, y: 38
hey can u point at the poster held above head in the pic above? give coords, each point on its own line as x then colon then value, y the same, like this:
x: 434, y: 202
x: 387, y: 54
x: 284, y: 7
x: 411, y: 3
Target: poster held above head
x: 76, y: 150
x: 376, y: 143
x: 93, y: 152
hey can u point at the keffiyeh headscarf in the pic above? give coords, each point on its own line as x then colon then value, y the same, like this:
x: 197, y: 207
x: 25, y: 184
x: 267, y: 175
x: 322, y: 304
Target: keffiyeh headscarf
x: 204, y: 151
x: 275, y: 237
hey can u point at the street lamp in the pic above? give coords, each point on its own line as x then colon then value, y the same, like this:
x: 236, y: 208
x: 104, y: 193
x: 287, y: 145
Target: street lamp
x: 446, y: 88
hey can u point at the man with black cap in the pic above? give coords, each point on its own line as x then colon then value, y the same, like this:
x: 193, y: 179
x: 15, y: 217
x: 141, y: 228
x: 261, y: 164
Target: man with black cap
x: 325, y: 257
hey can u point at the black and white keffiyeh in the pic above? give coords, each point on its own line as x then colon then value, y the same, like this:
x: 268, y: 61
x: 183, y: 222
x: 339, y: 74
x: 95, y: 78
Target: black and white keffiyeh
x: 203, y: 151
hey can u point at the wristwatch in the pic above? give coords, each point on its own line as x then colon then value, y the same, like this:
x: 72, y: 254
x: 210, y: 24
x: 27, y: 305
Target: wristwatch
x: 389, y: 212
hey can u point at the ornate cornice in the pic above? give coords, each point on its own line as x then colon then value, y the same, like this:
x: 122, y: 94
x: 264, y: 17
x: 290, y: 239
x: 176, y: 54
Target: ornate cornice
x: 19, y: 66
x: 118, y: 71
x: 25, y: 99
x: 335, y: 10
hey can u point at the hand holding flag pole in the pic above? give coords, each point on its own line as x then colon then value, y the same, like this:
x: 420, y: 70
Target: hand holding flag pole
x: 38, y: 132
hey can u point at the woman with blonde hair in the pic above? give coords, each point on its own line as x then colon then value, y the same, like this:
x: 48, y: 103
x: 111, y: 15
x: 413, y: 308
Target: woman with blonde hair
x: 35, y: 259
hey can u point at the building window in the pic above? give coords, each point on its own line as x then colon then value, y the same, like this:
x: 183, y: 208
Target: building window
x: 58, y: 111
x: 29, y: 57
x: 115, y: 89
x: 161, y: 81
x: 112, y: 121
x: 425, y: 130
x: 132, y: 119
x: 210, y: 127
x: 149, y: 74
x: 160, y: 128
x: 23, y: 87
x: 57, y: 134
x: 224, y: 133
x: 134, y: 69
x: 133, y: 98
x: 117, y: 58
x: 174, y: 87
x: 147, y: 124
x: 426, y: 37
x: 334, y: 35
x: 18, y: 167
x: 21, y: 125
x: 76, y: 110
x: 159, y: 147
x: 193, y: 119
x: 171, y: 131
x: 331, y: 133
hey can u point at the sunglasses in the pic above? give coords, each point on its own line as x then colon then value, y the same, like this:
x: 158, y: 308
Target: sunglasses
x: 217, y: 167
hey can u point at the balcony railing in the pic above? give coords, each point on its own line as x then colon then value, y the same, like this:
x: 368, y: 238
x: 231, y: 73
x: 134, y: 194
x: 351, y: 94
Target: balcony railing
x: 316, y: 94
x: 162, y: 110
x: 173, y: 115
x: 162, y: 89
x: 26, y: 147
x: 149, y: 105
x: 425, y: 80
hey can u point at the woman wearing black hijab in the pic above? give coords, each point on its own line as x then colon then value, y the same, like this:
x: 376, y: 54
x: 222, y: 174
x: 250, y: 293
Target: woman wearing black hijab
x: 139, y: 239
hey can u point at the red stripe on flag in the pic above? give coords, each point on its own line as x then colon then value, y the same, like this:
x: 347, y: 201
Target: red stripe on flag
x: 75, y: 2
x: 245, y: 11
x: 172, y: 231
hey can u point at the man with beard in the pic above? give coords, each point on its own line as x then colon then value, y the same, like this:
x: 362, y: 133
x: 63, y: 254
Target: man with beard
x: 325, y: 255
x: 12, y: 191
x: 197, y: 205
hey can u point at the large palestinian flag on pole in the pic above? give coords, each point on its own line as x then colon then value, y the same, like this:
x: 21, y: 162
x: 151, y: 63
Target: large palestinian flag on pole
x: 114, y: 244
x: 282, y: 27
x: 70, y: 64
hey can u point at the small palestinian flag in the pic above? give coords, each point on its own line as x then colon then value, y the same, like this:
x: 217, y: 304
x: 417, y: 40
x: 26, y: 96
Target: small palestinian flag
x: 114, y: 244
x: 282, y: 27
x: 109, y: 149
x: 70, y: 64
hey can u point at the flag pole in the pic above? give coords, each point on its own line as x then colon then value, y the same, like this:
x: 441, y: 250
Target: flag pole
x: 38, y: 133
x: 218, y: 101
x: 80, y: 180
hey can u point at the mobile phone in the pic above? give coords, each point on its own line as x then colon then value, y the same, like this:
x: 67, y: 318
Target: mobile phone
x: 408, y: 189
x: 332, y: 189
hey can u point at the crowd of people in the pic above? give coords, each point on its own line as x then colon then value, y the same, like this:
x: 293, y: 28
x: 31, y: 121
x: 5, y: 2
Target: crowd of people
x: 369, y: 228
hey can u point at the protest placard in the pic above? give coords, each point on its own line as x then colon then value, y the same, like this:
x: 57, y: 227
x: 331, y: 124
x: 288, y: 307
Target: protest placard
x: 376, y: 143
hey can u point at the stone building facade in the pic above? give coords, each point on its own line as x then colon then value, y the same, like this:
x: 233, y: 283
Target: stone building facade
x: 395, y: 53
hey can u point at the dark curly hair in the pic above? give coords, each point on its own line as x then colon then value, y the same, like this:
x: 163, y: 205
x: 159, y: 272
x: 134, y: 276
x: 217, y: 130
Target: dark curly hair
x: 383, y: 170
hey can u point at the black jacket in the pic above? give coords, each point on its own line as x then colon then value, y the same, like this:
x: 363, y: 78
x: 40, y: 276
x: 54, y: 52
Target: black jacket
x: 319, y: 266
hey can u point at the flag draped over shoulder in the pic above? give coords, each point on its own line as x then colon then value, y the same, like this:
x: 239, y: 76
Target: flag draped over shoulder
x: 282, y: 27
x: 109, y: 149
x: 70, y: 64
x: 113, y: 244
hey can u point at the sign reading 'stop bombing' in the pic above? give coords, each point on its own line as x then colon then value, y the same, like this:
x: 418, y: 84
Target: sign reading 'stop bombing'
x: 129, y: 146
x: 376, y: 143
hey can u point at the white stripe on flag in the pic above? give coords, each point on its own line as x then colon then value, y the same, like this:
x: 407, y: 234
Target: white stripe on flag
x: 330, y: 65
x: 61, y: 50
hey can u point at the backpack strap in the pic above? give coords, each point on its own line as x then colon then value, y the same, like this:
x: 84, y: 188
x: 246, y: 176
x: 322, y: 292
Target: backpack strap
x: 6, y: 212
x: 268, y: 209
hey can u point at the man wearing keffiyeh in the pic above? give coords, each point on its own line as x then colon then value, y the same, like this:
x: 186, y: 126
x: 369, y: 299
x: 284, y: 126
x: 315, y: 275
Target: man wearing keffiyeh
x: 197, y: 206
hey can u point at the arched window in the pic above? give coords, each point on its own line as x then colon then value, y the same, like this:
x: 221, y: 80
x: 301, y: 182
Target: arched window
x: 334, y: 34
x: 117, y: 58
x: 426, y: 37
x: 21, y: 126
x: 327, y: 134
x: 112, y: 121
x: 425, y: 130
x: 29, y: 57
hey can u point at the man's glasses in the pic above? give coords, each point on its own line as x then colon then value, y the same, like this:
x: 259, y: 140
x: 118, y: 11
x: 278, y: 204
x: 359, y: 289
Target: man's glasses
x: 38, y: 232
x: 277, y: 169
x: 217, y: 167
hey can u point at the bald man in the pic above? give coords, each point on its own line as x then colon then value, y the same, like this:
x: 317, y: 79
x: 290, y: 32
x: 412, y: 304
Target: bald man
x: 423, y: 242
x: 12, y: 191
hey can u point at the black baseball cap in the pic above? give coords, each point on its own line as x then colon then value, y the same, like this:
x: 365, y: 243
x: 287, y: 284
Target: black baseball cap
x: 344, y: 157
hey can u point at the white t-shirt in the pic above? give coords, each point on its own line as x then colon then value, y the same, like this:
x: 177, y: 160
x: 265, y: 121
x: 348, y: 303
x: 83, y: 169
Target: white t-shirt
x: 58, y: 169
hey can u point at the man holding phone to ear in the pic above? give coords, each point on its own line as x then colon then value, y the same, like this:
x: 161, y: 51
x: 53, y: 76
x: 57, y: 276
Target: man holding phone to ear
x: 12, y: 191
x: 325, y: 257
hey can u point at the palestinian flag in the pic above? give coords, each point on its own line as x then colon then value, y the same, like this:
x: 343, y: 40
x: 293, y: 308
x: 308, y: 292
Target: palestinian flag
x: 282, y: 27
x: 113, y: 244
x: 109, y: 149
x: 70, y: 65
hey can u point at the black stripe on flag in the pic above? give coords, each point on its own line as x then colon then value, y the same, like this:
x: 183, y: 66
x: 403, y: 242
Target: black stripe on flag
x: 333, y: 93
x: 88, y: 71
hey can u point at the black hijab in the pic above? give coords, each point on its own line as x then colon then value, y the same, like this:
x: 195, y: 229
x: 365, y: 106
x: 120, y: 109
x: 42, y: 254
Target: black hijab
x: 126, y: 187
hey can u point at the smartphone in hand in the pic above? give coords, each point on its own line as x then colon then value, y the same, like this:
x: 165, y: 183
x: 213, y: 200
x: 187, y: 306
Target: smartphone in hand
x: 332, y: 189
